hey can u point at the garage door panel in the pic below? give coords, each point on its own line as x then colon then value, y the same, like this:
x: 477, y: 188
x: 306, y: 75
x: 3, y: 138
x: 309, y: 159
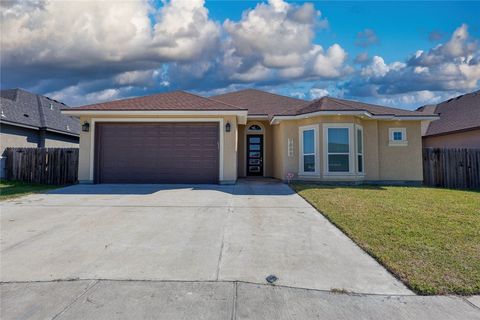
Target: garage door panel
x: 157, y: 152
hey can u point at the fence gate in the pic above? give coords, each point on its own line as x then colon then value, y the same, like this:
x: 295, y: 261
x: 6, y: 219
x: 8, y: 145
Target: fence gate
x: 451, y: 168
x: 57, y: 166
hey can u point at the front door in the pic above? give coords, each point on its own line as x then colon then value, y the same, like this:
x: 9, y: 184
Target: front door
x: 254, y: 155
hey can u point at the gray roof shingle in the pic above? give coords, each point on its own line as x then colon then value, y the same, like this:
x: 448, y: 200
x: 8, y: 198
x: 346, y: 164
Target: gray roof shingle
x: 25, y: 108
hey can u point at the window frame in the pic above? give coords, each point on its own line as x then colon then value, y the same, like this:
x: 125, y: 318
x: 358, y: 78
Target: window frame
x: 357, y: 153
x: 351, y: 149
x: 392, y: 141
x: 301, y: 155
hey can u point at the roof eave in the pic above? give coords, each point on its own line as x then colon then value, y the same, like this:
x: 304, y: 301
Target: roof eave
x: 360, y: 113
x: 72, y: 112
x: 240, y: 114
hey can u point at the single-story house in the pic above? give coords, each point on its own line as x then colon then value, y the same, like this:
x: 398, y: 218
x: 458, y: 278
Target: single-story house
x: 180, y: 137
x: 459, y: 123
x: 31, y: 120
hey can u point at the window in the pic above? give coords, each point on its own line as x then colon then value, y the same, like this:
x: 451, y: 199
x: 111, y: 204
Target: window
x: 308, y: 150
x: 397, y: 137
x: 359, y: 149
x: 339, y: 149
x: 254, y: 127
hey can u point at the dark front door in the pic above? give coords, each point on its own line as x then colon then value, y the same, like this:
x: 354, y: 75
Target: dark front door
x: 254, y: 155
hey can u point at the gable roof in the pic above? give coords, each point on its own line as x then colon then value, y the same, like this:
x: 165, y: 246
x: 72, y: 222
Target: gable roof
x: 175, y: 100
x: 457, y: 114
x: 261, y: 103
x: 20, y: 107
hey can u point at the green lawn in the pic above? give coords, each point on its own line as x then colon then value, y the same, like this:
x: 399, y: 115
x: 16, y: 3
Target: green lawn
x: 14, y: 189
x: 428, y: 237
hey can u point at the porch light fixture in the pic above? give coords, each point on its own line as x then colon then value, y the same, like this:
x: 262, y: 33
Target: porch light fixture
x: 228, y: 127
x: 86, y: 126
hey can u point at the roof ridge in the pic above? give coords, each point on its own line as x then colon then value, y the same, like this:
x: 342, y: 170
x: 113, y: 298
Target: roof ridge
x: 43, y: 121
x: 197, y: 95
x: 342, y: 101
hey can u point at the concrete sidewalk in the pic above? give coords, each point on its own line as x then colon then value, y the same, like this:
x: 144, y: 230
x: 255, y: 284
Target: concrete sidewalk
x: 97, y: 299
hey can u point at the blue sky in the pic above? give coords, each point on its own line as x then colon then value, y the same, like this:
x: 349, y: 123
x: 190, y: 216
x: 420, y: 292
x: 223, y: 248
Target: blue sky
x: 88, y: 52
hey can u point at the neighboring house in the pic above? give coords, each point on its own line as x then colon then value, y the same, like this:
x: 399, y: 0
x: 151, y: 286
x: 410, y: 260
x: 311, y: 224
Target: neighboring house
x: 180, y: 137
x: 459, y: 123
x: 31, y: 120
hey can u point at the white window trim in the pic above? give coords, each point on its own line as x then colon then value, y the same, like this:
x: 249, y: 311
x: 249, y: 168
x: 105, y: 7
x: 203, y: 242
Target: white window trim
x: 351, y: 148
x: 397, y: 143
x: 359, y: 127
x: 94, y: 120
x: 301, y: 171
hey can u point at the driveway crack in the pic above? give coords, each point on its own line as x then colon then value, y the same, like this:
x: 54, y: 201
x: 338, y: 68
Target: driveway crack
x: 90, y: 287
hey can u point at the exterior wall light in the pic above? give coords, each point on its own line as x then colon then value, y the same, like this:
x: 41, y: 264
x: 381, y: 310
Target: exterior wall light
x: 228, y: 127
x: 86, y: 126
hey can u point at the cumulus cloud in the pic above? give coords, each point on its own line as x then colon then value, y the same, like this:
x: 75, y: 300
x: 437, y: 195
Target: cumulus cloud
x: 451, y: 67
x: 276, y: 38
x: 88, y: 51
x: 58, y: 44
x: 366, y: 38
x: 317, y: 93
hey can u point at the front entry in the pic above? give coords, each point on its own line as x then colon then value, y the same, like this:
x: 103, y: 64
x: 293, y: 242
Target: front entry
x: 254, y: 155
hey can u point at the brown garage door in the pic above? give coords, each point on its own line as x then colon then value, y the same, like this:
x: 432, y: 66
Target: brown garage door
x: 156, y: 152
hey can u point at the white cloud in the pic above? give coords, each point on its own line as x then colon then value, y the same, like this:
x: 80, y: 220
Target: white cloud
x: 317, y: 93
x: 278, y: 36
x: 80, y: 33
x: 378, y: 68
x: 453, y: 66
x: 136, y: 77
x: 184, y: 31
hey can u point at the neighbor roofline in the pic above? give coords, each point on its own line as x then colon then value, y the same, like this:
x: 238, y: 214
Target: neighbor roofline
x: 276, y: 119
x: 444, y: 133
x: 73, y: 112
x: 18, y: 124
x: 27, y: 126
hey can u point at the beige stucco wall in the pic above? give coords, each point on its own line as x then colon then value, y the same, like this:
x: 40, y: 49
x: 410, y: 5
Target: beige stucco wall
x: 230, y: 145
x: 381, y: 161
x: 466, y: 139
x: 400, y: 162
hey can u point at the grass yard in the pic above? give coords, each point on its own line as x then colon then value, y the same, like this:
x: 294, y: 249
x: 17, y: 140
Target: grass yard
x: 14, y: 189
x: 427, y: 237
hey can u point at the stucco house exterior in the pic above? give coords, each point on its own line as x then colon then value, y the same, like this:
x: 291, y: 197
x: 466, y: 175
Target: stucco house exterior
x: 180, y: 137
x: 30, y: 120
x: 459, y: 123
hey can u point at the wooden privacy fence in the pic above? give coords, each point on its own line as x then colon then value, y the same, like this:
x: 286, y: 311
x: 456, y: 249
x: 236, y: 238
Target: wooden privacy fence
x: 42, y: 165
x: 451, y: 168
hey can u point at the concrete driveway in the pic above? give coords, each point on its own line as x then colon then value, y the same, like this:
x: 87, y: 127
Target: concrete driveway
x: 241, y: 232
x: 193, y: 252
